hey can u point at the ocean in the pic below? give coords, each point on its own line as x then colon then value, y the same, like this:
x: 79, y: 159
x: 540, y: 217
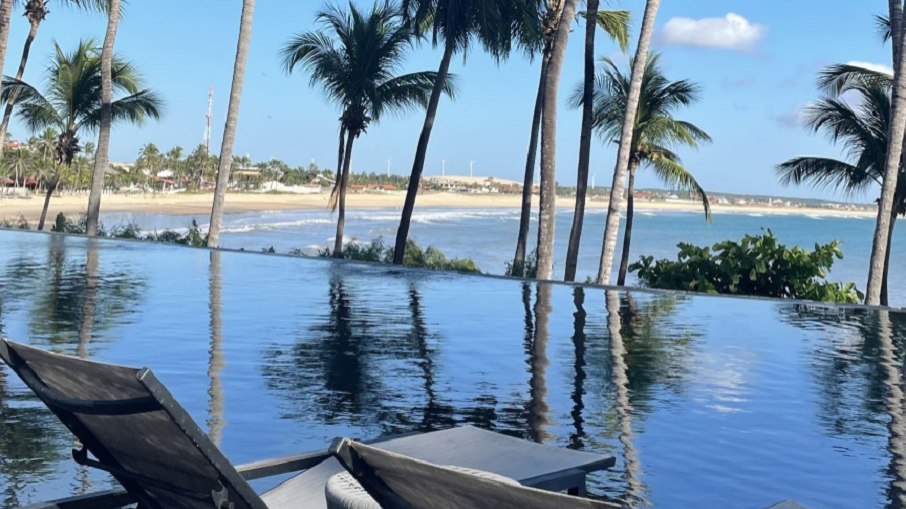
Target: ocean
x: 488, y: 236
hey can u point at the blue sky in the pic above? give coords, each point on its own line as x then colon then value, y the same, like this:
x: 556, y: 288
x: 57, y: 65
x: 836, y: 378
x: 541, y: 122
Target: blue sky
x: 756, y: 75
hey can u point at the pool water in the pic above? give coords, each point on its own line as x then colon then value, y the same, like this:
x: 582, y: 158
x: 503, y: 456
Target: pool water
x: 704, y: 401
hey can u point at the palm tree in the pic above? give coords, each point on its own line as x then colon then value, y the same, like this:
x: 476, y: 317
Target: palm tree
x: 887, y: 205
x: 6, y: 17
x: 612, y: 224
x: 455, y: 23
x: 862, y: 126
x: 619, y: 21
x: 105, y: 122
x: 548, y: 198
x: 16, y: 164
x: 36, y: 11
x: 655, y: 132
x: 149, y: 160
x: 229, y: 130
x: 536, y: 35
x: 71, y: 103
x: 356, y: 63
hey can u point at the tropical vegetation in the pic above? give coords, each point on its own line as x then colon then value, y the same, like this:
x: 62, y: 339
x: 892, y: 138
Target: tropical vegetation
x: 897, y: 138
x: 357, y: 63
x: 456, y: 25
x: 757, y: 265
x: 376, y: 251
x: 72, y: 103
x: 656, y: 133
x: 106, y: 115
x: 639, y: 63
x: 357, y: 55
x: 862, y: 127
x: 229, y: 130
x: 616, y: 23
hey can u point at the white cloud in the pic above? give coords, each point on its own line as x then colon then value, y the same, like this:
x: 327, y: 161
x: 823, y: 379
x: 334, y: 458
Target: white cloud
x: 886, y: 69
x: 730, y: 32
x: 794, y: 118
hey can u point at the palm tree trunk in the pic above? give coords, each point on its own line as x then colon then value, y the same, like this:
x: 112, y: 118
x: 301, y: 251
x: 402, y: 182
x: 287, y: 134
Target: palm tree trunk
x: 51, y: 187
x: 101, y: 158
x: 893, y: 223
x: 421, y: 151
x: 6, y: 15
x: 896, y: 26
x: 8, y: 112
x: 612, y: 225
x: 341, y: 198
x: 627, y: 234
x: 549, y: 144
x: 340, y: 150
x: 529, y: 178
x: 889, y: 184
x: 229, y: 130
x: 575, y: 234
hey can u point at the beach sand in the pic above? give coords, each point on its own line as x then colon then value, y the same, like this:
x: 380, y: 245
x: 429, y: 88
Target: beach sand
x: 200, y: 204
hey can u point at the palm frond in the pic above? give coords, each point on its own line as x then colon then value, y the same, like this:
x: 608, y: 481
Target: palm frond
x: 840, y: 78
x: 674, y: 175
x: 616, y: 24
x: 824, y: 173
x: 36, y: 111
x: 403, y: 93
x: 882, y: 23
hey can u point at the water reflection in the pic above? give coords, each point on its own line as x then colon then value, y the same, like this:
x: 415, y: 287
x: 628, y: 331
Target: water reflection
x: 860, y: 377
x: 892, y: 364
x: 624, y: 409
x: 436, y: 414
x: 577, y: 438
x: 88, y: 302
x: 74, y: 301
x: 538, y: 409
x: 818, y: 412
x: 332, y: 372
x: 216, y: 361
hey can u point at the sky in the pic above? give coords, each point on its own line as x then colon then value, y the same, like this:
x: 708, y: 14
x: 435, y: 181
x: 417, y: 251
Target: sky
x: 756, y: 61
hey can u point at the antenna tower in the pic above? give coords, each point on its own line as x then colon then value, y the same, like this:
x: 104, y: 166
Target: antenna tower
x: 209, y: 116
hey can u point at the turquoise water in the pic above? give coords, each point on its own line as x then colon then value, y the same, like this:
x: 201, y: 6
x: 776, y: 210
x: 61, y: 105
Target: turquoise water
x: 704, y: 401
x: 489, y: 235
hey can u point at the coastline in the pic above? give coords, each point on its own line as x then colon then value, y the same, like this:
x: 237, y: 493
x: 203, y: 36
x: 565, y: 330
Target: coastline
x: 200, y: 204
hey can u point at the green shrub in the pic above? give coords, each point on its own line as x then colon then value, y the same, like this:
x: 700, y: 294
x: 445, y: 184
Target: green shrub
x: 128, y: 230
x: 431, y: 258
x: 529, y: 270
x: 756, y: 265
x: 63, y: 224
x: 193, y: 237
x: 20, y: 223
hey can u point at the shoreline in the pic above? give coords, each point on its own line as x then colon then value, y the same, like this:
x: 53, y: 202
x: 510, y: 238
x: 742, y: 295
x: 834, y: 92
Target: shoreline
x: 200, y: 204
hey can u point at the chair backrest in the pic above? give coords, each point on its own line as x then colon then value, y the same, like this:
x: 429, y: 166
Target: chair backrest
x: 401, y: 482
x: 134, y: 429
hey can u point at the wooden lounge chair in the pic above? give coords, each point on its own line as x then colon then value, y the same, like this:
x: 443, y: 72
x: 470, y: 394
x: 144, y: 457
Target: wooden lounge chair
x: 131, y: 427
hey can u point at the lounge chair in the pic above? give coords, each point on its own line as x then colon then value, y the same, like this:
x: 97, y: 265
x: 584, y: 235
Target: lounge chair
x: 400, y: 482
x: 133, y: 428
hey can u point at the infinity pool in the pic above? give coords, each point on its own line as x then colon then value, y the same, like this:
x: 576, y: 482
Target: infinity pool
x: 704, y: 401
